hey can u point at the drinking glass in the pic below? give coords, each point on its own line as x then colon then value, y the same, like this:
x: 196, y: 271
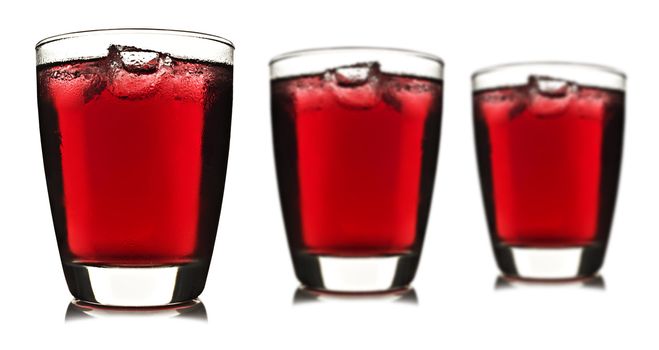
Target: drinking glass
x: 549, y: 145
x: 356, y: 134
x: 135, y: 128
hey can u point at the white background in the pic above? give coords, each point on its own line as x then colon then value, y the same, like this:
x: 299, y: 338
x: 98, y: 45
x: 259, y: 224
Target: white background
x: 249, y: 294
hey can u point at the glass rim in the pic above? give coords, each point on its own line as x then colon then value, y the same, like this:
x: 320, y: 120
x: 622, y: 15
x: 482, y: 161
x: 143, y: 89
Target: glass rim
x: 572, y: 64
x: 173, y: 32
x: 518, y: 74
x: 334, y: 49
x: 390, y: 60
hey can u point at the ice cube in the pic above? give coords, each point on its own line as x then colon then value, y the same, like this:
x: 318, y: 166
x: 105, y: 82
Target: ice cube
x: 140, y: 61
x: 550, y: 97
x: 394, y: 87
x: 136, y: 73
x: 390, y: 97
x: 552, y: 87
x: 355, y: 75
x: 519, y: 102
x: 86, y: 79
x: 95, y: 88
x: 356, y: 86
x: 591, y: 104
x: 506, y: 103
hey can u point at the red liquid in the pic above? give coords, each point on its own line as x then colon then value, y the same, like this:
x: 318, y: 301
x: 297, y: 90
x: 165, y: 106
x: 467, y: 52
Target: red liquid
x: 356, y: 161
x: 135, y: 157
x: 549, y: 163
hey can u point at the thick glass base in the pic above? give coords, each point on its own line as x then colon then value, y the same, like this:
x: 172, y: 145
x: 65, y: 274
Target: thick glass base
x: 549, y: 263
x: 304, y: 295
x: 347, y: 274
x: 594, y: 283
x: 120, y: 286
x: 79, y: 310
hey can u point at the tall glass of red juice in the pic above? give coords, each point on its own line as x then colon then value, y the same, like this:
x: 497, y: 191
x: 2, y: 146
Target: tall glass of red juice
x: 356, y: 135
x: 135, y: 138
x: 549, y: 146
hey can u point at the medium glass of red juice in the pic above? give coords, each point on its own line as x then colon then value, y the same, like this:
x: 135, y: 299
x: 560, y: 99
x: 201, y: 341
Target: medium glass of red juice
x: 549, y: 145
x: 135, y: 136
x: 356, y: 135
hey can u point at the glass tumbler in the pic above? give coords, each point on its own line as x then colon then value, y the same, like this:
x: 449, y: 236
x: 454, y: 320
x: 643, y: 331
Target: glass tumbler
x: 549, y: 146
x: 356, y: 135
x: 135, y: 127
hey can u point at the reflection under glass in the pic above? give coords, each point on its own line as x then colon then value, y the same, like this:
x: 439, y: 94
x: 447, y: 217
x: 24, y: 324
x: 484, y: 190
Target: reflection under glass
x: 304, y: 295
x: 193, y: 310
x: 505, y: 283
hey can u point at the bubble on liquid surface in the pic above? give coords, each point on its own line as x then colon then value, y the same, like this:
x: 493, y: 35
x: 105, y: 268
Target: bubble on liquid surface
x: 355, y: 86
x: 549, y: 97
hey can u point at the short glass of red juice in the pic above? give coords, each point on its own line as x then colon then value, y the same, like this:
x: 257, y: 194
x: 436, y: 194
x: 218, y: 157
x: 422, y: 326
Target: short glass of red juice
x: 356, y: 135
x: 549, y: 146
x: 135, y: 131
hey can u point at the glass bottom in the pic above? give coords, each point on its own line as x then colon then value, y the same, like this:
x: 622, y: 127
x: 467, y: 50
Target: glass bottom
x: 119, y: 286
x: 80, y: 310
x: 549, y: 263
x: 346, y: 274
x: 594, y: 283
x: 305, y: 295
